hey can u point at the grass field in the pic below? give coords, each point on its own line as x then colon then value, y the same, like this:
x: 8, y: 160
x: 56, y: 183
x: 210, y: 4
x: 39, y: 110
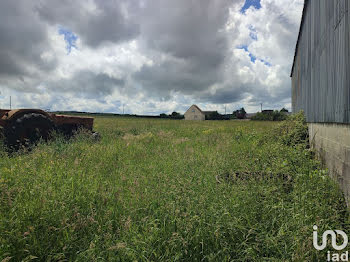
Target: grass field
x: 163, y: 190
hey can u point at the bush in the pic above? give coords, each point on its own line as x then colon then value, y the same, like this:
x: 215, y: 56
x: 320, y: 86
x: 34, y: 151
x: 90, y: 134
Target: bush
x: 176, y: 115
x: 270, y: 116
x: 240, y: 114
x: 294, y: 130
x: 173, y: 115
x: 214, y: 116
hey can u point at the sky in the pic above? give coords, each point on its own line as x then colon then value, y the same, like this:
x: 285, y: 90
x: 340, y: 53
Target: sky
x: 148, y: 56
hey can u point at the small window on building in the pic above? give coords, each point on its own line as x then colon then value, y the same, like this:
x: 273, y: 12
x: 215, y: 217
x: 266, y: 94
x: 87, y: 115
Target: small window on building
x: 193, y: 110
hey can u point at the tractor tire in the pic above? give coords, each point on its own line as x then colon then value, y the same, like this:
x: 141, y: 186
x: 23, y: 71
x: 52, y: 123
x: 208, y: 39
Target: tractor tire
x: 27, y: 131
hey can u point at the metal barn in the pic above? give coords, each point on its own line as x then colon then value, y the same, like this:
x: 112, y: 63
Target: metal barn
x: 321, y: 83
x: 321, y: 69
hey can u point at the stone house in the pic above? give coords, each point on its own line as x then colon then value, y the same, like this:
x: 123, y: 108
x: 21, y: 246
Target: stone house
x: 195, y: 113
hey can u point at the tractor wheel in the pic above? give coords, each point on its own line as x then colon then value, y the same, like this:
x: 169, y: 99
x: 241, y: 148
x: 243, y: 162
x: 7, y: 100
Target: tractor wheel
x: 27, y: 130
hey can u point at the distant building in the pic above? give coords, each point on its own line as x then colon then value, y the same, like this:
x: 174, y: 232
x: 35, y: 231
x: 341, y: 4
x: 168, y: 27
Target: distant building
x: 195, y: 113
x: 267, y: 111
x: 321, y: 83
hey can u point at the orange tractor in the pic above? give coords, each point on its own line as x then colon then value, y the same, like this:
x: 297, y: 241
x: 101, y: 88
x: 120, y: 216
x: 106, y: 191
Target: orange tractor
x: 22, y: 127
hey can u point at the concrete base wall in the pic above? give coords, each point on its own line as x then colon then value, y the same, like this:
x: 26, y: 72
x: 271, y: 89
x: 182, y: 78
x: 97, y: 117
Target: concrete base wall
x: 332, y: 144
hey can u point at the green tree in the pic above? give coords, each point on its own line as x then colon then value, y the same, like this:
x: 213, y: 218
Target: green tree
x: 240, y: 113
x: 176, y: 115
x: 214, y: 116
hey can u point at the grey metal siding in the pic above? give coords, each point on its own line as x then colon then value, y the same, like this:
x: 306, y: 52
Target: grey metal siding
x: 320, y: 74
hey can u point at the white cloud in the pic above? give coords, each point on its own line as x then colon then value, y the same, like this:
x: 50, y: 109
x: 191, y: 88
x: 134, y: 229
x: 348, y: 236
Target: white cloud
x: 164, y: 63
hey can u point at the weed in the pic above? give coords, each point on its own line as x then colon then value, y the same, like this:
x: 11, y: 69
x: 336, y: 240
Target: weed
x: 148, y: 191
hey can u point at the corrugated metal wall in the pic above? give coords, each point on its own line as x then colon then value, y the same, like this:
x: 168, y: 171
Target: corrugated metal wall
x: 321, y: 72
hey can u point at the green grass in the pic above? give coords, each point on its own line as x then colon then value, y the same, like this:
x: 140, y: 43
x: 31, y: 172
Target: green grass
x: 149, y: 191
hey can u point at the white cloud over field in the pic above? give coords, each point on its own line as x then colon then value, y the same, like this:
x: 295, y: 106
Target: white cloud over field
x: 150, y: 56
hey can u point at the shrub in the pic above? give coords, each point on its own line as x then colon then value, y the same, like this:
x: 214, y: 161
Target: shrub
x: 240, y: 114
x: 294, y: 130
x: 173, y: 115
x: 176, y: 115
x: 270, y: 116
x: 214, y: 116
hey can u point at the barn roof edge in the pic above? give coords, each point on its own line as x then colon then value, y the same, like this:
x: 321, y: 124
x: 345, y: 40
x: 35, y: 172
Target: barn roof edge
x: 306, y: 2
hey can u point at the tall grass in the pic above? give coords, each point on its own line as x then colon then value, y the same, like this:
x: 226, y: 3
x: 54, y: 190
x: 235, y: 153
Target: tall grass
x: 149, y: 191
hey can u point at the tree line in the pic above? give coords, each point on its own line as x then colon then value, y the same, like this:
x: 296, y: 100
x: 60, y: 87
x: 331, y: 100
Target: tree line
x: 265, y: 115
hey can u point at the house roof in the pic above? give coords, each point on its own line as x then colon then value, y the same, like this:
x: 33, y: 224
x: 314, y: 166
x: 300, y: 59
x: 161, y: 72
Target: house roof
x: 200, y: 110
x: 195, y: 107
x: 306, y: 2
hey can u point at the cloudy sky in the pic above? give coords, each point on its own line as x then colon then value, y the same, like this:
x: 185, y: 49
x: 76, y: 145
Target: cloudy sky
x: 148, y: 56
